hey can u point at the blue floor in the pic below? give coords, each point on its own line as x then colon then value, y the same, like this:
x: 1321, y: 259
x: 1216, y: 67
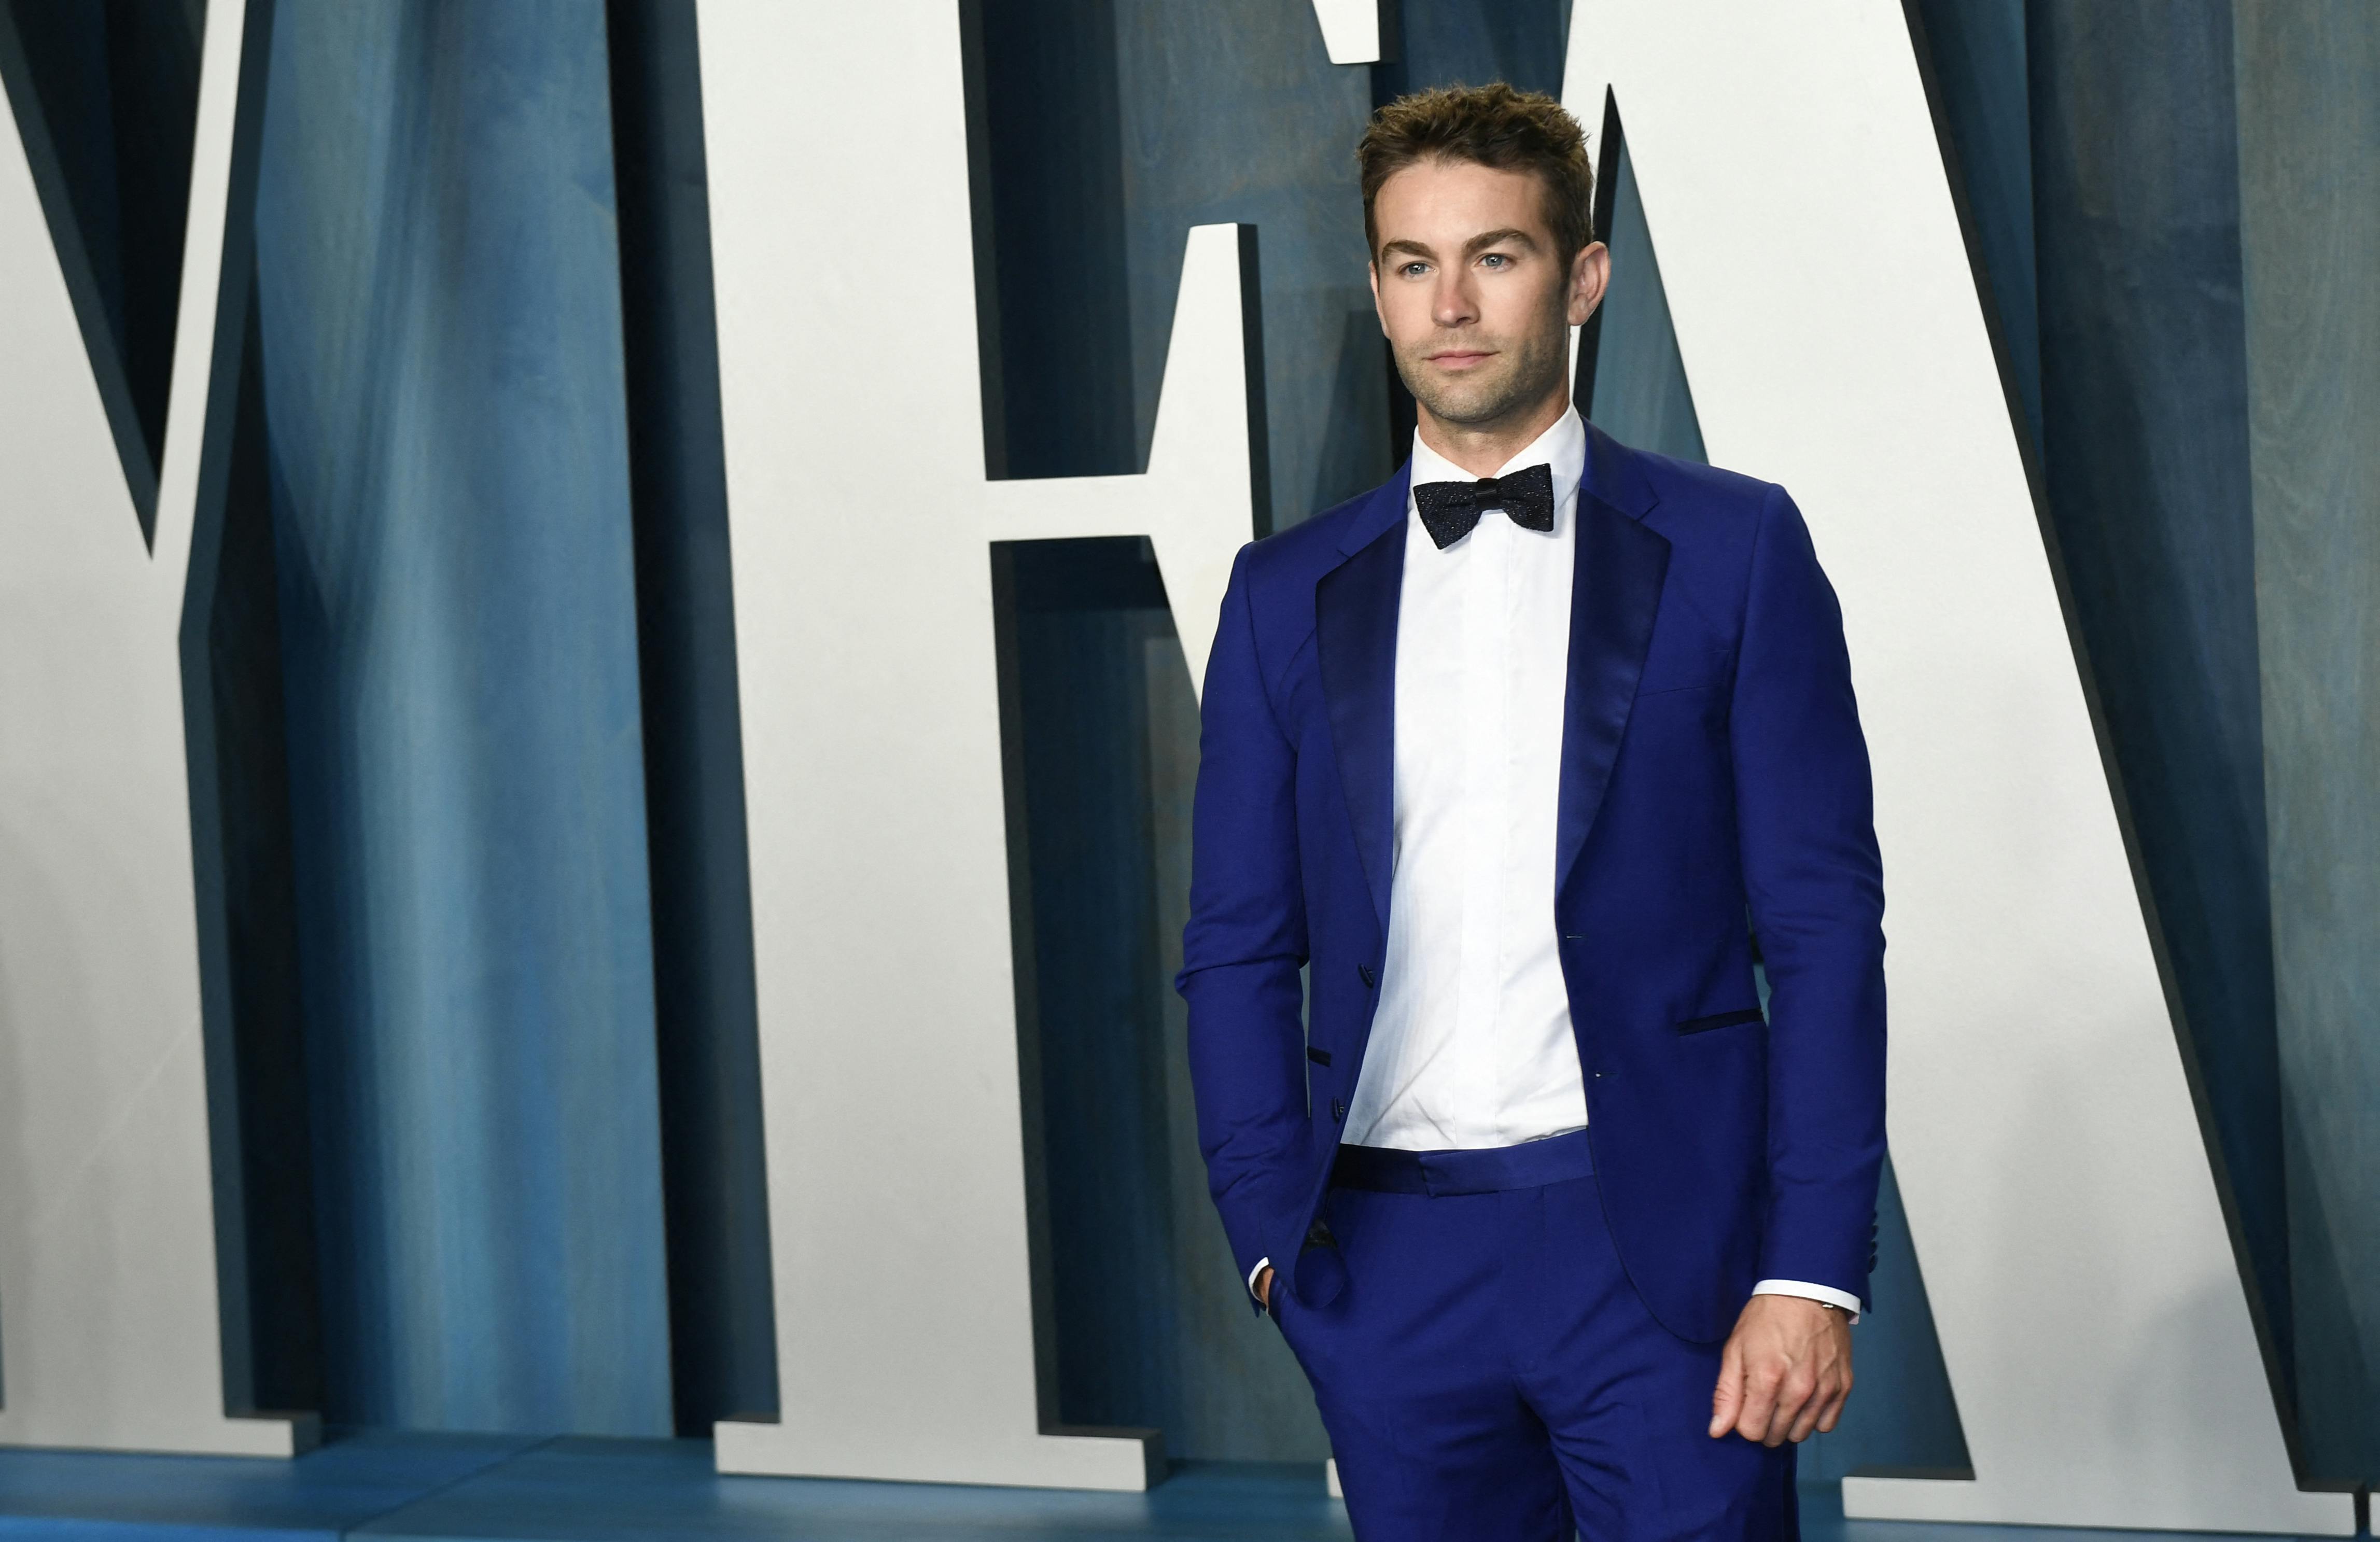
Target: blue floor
x: 389, y: 1486
x: 386, y: 1485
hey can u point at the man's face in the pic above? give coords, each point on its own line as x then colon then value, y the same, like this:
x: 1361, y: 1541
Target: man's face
x: 1475, y: 299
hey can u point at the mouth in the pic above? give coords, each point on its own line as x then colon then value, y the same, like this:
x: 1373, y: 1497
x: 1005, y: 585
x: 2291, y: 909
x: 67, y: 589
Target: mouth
x: 1459, y: 358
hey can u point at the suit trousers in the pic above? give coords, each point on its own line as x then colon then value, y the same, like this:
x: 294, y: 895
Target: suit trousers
x: 1489, y: 1375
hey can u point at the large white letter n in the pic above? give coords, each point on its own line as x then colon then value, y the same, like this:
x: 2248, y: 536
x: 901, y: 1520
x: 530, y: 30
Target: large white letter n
x: 2059, y: 1191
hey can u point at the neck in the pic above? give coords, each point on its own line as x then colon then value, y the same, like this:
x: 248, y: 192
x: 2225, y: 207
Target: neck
x: 1483, y: 448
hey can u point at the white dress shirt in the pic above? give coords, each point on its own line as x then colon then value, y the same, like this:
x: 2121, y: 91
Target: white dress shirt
x: 1471, y: 1043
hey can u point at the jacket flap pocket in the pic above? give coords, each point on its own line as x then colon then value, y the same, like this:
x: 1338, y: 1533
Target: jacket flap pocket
x: 1720, y: 1020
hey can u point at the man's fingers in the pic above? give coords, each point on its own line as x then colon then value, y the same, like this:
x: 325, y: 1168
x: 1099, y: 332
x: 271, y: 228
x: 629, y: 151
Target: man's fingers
x: 1727, y: 1397
x: 1841, y: 1395
x: 1814, y: 1407
x: 1833, y: 1412
x: 1793, y: 1391
x: 1784, y: 1374
x: 1760, y: 1387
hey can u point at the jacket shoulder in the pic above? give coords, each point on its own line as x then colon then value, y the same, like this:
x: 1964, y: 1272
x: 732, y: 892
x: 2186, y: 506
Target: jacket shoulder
x: 1712, y: 519
x: 1710, y: 516
x: 1311, y: 541
x: 1692, y: 488
x: 1293, y: 559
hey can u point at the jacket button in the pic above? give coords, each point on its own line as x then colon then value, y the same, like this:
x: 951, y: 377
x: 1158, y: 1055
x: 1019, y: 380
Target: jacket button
x: 1364, y: 973
x: 1338, y: 1112
x: 1318, y: 1235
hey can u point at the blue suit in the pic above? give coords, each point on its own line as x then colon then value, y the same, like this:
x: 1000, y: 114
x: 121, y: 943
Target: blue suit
x: 1713, y: 773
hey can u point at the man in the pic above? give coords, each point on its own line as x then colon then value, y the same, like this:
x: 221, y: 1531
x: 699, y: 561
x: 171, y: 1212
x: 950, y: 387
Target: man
x: 1519, y: 756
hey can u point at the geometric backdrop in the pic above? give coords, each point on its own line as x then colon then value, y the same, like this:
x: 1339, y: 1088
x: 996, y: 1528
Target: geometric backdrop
x: 474, y: 683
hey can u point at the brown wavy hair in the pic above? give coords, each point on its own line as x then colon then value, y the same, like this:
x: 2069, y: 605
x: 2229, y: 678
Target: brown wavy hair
x: 1488, y: 126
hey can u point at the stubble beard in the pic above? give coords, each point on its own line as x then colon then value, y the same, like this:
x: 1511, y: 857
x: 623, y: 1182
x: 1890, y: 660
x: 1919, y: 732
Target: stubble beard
x: 1522, y: 377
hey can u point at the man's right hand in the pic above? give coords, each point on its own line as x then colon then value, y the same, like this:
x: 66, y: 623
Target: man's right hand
x: 1264, y: 1287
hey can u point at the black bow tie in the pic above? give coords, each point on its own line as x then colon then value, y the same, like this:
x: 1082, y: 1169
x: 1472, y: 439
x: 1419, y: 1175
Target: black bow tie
x: 1450, y: 510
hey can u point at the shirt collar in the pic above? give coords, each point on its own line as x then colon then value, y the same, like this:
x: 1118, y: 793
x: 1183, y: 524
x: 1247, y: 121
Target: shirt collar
x: 1562, y: 446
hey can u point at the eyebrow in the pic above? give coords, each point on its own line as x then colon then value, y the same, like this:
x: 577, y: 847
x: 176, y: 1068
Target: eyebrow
x: 1478, y: 243
x: 1498, y: 238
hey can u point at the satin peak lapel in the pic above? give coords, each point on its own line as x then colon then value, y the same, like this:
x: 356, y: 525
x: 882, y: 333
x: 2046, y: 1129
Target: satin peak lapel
x: 1615, y: 594
x: 1355, y: 644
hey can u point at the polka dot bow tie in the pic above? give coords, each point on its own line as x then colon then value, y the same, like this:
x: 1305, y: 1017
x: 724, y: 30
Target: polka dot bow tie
x: 1450, y: 510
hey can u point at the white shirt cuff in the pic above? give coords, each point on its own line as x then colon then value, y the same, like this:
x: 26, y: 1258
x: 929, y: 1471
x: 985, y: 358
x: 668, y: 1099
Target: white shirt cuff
x: 1262, y: 1265
x: 1826, y: 1293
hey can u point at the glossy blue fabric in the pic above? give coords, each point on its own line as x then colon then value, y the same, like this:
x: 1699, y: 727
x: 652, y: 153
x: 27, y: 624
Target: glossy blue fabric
x: 1712, y: 762
x: 1489, y: 1373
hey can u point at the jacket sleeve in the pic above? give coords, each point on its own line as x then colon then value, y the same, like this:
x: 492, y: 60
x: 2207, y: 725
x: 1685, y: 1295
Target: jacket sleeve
x: 1245, y: 945
x: 1807, y: 826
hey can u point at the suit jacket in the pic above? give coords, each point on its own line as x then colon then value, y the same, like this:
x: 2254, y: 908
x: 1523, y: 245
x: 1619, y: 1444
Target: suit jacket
x: 1712, y: 770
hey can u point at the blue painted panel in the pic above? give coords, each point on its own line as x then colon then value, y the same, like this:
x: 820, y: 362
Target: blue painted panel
x: 106, y: 98
x: 1233, y: 110
x: 1110, y: 128
x: 1108, y: 131
x: 1446, y: 42
x: 2308, y: 92
x: 243, y: 863
x: 723, y: 1323
x: 1048, y: 195
x: 2145, y: 451
x: 1153, y: 1323
x: 441, y: 332
x: 1641, y: 396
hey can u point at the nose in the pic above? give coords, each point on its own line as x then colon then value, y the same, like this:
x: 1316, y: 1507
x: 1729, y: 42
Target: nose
x: 1450, y: 304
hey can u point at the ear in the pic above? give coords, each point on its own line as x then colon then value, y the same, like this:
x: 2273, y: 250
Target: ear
x: 1590, y: 271
x: 1372, y: 272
